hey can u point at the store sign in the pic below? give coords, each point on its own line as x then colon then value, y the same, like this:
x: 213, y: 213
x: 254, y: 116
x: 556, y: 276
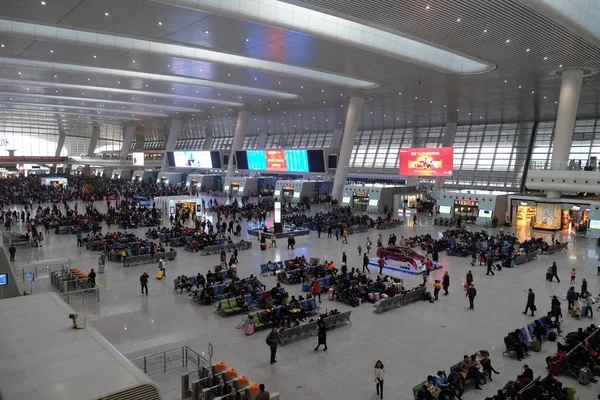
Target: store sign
x: 426, y: 161
x: 361, y: 194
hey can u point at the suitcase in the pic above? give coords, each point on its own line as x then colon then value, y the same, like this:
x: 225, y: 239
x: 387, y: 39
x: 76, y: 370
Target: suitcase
x: 160, y: 274
x: 548, y: 276
x: 331, y: 294
x: 263, y: 246
x: 249, y: 329
x: 305, y: 287
x: 585, y: 376
x: 376, y: 296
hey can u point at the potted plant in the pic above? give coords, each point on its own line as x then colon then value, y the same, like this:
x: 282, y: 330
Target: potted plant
x: 494, y: 222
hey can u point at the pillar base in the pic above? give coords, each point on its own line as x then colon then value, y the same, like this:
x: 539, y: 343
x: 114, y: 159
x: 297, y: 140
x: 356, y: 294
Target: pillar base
x: 552, y: 194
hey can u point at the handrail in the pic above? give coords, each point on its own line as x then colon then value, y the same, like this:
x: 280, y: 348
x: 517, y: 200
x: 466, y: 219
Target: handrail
x: 67, y: 296
x: 186, y: 354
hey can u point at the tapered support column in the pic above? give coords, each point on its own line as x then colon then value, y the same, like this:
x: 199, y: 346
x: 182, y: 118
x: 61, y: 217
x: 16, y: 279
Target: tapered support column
x: 238, y: 139
x: 94, y: 140
x: 127, y: 140
x: 568, y: 102
x: 447, y: 141
x: 352, y: 122
x: 171, y: 140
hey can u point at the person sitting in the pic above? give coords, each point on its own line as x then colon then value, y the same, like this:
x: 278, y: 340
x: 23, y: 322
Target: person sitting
x: 424, y: 394
x: 241, y: 302
x: 512, y: 343
x: 527, y: 372
x: 434, y: 390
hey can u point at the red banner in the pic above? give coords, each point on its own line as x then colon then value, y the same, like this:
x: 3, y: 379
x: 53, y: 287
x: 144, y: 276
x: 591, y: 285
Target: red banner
x: 426, y: 162
x: 276, y: 160
x: 32, y: 159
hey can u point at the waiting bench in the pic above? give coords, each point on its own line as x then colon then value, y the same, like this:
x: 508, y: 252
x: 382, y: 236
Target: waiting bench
x: 399, y: 300
x: 311, y: 327
x: 148, y: 258
x: 207, y: 250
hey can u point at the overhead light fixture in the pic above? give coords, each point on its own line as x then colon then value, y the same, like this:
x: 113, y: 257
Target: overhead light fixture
x: 485, y: 31
x: 507, y: 40
x: 1, y: 45
x: 519, y: 86
x: 159, y: 23
x: 528, y: 50
x: 505, y: 81
x: 43, y: 3
x: 106, y: 14
x: 457, y: 19
x: 95, y: 56
x: 205, y: 31
x: 560, y: 66
x: 533, y: 91
x: 51, y: 51
x: 545, y: 58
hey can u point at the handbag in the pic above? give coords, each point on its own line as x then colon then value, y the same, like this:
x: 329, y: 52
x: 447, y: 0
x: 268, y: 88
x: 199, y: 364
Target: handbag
x: 533, y: 308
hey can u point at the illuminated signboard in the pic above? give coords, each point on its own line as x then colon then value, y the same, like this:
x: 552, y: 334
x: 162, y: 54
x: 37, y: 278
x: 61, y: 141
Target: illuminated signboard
x: 426, y: 161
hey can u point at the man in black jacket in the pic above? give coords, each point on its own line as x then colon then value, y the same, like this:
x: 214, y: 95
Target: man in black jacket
x: 272, y: 342
x: 144, y: 282
x: 12, y: 250
x: 530, y: 302
x: 471, y: 293
x: 554, y: 270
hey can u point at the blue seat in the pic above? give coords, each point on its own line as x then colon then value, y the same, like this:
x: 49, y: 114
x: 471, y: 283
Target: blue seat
x: 531, y: 328
x: 523, y: 336
x: 193, y: 280
x: 313, y: 304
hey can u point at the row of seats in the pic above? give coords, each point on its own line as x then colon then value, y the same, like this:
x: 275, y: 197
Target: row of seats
x: 523, y: 258
x: 276, y: 266
x: 390, y: 225
x: 148, y: 258
x: 399, y: 300
x: 309, y: 328
x: 218, y: 290
x: 310, y: 305
x: 557, y: 247
x: 527, y: 335
x: 207, y: 250
x: 79, y: 273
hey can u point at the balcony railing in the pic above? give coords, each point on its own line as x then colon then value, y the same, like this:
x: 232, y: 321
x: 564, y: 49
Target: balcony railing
x: 561, y: 166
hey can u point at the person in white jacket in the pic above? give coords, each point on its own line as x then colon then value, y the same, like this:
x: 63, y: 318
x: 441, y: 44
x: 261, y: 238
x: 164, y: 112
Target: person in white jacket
x: 379, y: 374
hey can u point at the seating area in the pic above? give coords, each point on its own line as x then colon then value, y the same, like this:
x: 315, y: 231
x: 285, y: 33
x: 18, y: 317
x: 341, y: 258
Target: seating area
x: 399, y: 301
x: 557, y: 247
x: 523, y: 258
x: 258, y: 317
x: 576, y: 353
x: 243, y: 245
x: 311, y: 327
x: 526, y: 336
x: 148, y: 258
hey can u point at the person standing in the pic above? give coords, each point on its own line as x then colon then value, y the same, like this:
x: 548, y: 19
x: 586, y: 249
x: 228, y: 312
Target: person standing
x: 144, y: 283
x: 366, y: 263
x: 344, y: 258
x: 436, y: 289
x: 490, y: 264
x: 92, y: 278
x: 381, y: 263
x: 530, y: 302
x: 471, y: 293
x: 12, y: 250
x: 554, y: 270
x: 322, y: 334
x: 379, y: 375
x: 79, y: 241
x: 272, y: 342
x: 446, y: 283
x: 583, y: 287
x: 469, y: 279
x: 415, y: 220
x: 368, y: 246
x: 345, y: 236
x: 262, y: 394
x: 317, y: 289
x: 359, y: 248
x: 573, y: 275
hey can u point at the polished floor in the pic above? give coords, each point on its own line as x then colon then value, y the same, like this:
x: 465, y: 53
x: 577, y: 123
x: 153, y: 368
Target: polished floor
x: 412, y: 342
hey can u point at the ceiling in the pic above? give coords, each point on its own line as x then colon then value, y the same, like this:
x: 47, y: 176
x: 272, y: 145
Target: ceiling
x: 110, y: 62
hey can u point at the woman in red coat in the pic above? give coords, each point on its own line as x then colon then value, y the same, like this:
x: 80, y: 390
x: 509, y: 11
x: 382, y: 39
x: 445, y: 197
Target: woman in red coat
x: 317, y: 289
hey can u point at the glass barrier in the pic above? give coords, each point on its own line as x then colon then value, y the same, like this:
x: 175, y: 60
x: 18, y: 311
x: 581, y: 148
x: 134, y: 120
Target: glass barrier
x: 170, y: 359
x: 562, y: 166
x: 81, y: 297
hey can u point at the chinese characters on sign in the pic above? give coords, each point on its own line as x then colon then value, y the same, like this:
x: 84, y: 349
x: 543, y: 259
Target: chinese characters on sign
x: 426, y: 162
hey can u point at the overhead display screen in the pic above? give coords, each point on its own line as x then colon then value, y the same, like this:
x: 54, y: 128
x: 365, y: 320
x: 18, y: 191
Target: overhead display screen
x: 193, y: 159
x: 426, y: 162
x: 281, y: 160
x: 138, y: 159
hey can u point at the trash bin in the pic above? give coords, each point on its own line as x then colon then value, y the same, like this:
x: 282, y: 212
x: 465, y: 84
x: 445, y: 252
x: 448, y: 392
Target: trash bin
x: 100, y: 268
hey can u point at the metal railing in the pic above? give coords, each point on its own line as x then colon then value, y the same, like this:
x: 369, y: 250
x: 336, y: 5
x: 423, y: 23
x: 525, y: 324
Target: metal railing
x: 170, y: 359
x: 81, y: 297
x: 561, y: 166
x: 43, y: 269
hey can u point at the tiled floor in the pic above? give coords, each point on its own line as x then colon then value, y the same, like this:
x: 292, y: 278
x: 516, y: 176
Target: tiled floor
x: 412, y: 342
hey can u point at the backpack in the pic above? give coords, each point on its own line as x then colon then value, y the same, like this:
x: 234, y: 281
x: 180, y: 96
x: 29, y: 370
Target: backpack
x: 552, y: 336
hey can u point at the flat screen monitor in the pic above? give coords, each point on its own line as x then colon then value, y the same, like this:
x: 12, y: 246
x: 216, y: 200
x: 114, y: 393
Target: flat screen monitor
x: 316, y: 161
x: 445, y: 209
x: 277, y: 193
x: 193, y: 159
x: 332, y: 161
x: 138, y: 159
x: 594, y: 223
x: 296, y: 195
x: 426, y: 161
x: 3, y: 279
x: 373, y: 202
x: 215, y: 158
x: 282, y: 160
x: 345, y: 199
x: 256, y: 160
x: 485, y: 213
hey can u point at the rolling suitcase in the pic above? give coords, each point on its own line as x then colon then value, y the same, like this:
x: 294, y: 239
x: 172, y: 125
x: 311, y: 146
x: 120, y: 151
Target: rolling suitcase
x: 160, y: 274
x: 249, y: 329
x: 376, y: 296
x: 548, y: 276
x: 331, y: 294
x: 585, y: 376
x: 305, y: 287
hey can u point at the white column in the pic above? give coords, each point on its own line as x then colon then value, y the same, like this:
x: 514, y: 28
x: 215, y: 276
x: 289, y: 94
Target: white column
x: 336, y: 138
x: 238, y: 139
x: 209, y: 141
x: 447, y: 141
x: 568, y: 102
x: 94, y: 140
x: 352, y: 122
x: 127, y: 139
x: 261, y: 142
x: 171, y: 140
x: 61, y: 140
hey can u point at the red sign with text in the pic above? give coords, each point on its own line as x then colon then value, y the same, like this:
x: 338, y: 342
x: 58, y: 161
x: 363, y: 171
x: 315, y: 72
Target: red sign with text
x: 276, y: 160
x: 426, y: 162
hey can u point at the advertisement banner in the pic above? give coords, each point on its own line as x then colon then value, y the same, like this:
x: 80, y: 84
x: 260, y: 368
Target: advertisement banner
x: 138, y: 159
x: 426, y: 161
x: 276, y: 160
x: 192, y: 159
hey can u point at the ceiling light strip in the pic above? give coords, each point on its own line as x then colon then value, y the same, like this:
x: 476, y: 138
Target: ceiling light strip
x: 329, y: 27
x: 27, y: 30
x: 100, y: 111
x: 14, y: 82
x: 81, y: 69
x: 60, y: 113
x: 89, y: 100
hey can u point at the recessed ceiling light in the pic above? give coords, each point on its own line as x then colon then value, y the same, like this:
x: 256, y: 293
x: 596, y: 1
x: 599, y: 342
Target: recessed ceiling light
x: 51, y: 51
x: 205, y: 31
x: 457, y: 19
x: 119, y: 82
x: 560, y: 66
x: 400, y: 94
x: 533, y: 91
x: 444, y: 106
x: 133, y: 61
x: 95, y: 56
x: 1, y: 45
x: 106, y: 14
x: 507, y: 40
x: 545, y: 58
x: 458, y: 109
x: 427, y: 7
x: 19, y: 73
x: 416, y: 97
x: 160, y: 23
x: 505, y: 81
x: 43, y: 3
x: 528, y: 50
x: 430, y: 101
x: 556, y: 102
x: 247, y: 40
x: 544, y: 97
x: 519, y: 86
x: 485, y: 31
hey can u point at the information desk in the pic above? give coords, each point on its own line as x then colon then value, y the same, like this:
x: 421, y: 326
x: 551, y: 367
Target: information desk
x: 403, y: 266
x: 283, y: 235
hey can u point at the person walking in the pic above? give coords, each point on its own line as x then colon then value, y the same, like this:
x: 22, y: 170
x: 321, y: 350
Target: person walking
x: 554, y: 271
x: 262, y: 394
x: 144, y: 283
x: 471, y: 293
x: 92, y: 278
x: 345, y: 236
x: 368, y: 246
x: 469, y: 279
x: 366, y: 263
x: 381, y: 263
x: 12, y: 250
x: 379, y: 375
x: 415, y: 220
x: 317, y: 289
x: 359, y: 248
x: 162, y: 267
x: 272, y: 342
x: 79, y: 241
x: 436, y: 289
x: 344, y: 258
x: 322, y: 334
x: 490, y: 264
x: 530, y: 302
x: 583, y: 287
x: 573, y: 275
x: 446, y: 283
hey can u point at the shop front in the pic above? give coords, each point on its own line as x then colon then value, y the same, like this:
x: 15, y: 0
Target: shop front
x: 360, y: 201
x: 178, y: 206
x: 467, y: 210
x: 525, y: 211
x: 287, y: 193
x: 575, y: 217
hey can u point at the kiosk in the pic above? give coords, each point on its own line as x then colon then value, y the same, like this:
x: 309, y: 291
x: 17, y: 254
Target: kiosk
x: 372, y: 198
x: 122, y: 174
x: 293, y: 191
x: 144, y: 176
x: 477, y: 207
x: 249, y: 186
x: 204, y: 183
x: 170, y: 205
x: 54, y: 181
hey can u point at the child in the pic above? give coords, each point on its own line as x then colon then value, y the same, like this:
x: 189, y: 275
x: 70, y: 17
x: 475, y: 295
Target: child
x: 436, y: 289
x: 573, y: 274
